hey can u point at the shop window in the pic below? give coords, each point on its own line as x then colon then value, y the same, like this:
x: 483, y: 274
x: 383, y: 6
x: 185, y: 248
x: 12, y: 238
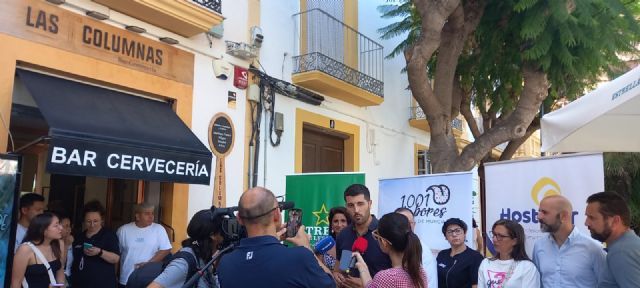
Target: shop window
x: 424, y: 162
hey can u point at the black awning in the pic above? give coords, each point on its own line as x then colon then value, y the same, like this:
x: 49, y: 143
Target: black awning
x: 100, y: 132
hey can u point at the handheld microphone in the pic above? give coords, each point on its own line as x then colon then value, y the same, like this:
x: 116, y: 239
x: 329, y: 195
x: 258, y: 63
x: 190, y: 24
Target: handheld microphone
x: 360, y: 245
x: 325, y: 244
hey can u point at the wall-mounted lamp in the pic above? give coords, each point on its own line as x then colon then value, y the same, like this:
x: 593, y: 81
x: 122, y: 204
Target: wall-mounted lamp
x: 97, y: 15
x: 169, y: 40
x: 135, y: 29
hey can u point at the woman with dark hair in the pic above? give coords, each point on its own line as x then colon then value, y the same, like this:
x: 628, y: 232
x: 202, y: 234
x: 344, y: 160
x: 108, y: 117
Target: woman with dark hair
x: 458, y: 265
x: 204, y: 239
x: 38, y: 261
x: 510, y: 267
x: 338, y: 220
x: 396, y: 239
x: 67, y: 239
x: 95, y: 251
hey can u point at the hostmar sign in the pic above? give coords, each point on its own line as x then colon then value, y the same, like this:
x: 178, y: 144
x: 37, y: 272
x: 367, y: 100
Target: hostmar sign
x: 516, y: 188
x: 316, y: 194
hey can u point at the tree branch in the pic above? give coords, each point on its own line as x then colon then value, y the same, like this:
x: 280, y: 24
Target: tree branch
x: 456, y: 98
x: 535, y: 90
x: 465, y: 110
x: 514, y: 144
x: 434, y: 15
x: 448, y: 55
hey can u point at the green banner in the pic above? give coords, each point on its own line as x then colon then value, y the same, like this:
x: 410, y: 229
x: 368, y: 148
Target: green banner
x: 316, y: 194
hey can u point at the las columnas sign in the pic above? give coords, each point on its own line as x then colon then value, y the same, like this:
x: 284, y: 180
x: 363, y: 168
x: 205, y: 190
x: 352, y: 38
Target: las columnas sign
x: 48, y: 24
x: 118, y: 161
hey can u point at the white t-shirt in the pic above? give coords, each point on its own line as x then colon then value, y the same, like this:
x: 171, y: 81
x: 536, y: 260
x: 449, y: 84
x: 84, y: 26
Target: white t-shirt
x: 139, y: 245
x: 429, y: 265
x: 508, y: 274
x: 21, y: 231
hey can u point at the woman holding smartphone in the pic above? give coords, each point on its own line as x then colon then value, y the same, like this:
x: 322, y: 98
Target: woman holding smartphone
x: 41, y: 243
x: 95, y: 251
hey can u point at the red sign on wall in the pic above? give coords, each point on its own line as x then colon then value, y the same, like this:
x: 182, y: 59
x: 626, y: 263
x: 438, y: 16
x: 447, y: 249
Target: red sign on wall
x: 240, y: 77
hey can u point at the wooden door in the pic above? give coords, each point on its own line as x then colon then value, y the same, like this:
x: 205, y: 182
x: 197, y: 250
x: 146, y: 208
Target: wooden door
x: 322, y: 151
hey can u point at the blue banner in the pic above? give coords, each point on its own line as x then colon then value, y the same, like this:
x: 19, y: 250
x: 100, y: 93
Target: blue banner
x: 8, y: 200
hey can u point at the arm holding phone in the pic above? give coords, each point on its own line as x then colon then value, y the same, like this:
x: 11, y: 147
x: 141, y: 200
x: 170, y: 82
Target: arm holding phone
x: 301, y: 238
x: 107, y: 256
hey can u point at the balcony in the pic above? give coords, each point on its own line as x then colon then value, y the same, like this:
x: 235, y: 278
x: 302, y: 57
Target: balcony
x: 183, y: 17
x: 336, y: 60
x: 417, y: 119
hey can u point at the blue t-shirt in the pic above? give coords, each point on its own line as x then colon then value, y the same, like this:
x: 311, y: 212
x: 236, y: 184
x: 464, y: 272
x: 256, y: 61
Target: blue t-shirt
x: 623, y: 263
x: 264, y: 262
x: 374, y: 257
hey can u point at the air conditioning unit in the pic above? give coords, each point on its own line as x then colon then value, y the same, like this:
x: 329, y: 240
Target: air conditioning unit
x: 241, y: 50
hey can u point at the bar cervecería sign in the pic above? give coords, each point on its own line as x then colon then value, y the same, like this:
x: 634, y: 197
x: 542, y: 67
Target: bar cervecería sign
x: 48, y: 24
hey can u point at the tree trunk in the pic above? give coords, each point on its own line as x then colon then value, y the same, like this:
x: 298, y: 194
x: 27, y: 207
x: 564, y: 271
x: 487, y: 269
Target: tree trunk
x: 445, y: 27
x: 514, y: 126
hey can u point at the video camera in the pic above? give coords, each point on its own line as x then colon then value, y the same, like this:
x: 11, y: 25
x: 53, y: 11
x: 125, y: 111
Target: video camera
x: 232, y: 231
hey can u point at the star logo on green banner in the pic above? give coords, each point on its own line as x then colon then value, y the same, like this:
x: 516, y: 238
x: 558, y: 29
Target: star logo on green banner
x: 322, y: 215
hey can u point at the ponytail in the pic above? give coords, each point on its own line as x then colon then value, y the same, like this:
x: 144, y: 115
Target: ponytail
x: 395, y: 228
x: 412, y: 260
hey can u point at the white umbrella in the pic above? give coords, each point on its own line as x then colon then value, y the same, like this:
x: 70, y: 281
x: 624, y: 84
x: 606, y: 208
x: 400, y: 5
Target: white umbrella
x: 606, y: 119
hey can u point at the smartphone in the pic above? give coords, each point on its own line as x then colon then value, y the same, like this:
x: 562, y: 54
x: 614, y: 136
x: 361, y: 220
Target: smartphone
x: 86, y: 245
x: 295, y: 220
x: 345, y: 259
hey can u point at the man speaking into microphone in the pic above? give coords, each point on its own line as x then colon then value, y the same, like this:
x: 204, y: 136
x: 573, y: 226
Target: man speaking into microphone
x: 260, y: 260
x: 358, y: 203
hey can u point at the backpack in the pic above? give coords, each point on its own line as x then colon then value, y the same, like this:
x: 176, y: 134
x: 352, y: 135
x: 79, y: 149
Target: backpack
x: 143, y: 276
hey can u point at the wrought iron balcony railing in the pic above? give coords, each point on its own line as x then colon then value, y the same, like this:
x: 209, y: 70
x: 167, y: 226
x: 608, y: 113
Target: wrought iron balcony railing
x: 326, y: 44
x: 416, y: 113
x: 213, y: 5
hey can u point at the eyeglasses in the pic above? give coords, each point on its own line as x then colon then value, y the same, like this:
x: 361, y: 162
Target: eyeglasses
x: 377, y: 236
x: 92, y: 222
x: 453, y: 232
x: 499, y: 236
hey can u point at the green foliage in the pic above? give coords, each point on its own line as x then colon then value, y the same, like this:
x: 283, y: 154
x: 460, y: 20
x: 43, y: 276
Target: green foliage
x: 573, y: 41
x: 410, y: 24
x: 622, y: 174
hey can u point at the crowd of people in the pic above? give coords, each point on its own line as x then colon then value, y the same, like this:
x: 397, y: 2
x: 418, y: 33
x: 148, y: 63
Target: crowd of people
x: 393, y: 256
x: 47, y: 254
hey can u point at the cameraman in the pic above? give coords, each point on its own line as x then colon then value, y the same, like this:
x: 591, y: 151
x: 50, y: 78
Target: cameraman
x: 261, y: 259
x: 204, y: 237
